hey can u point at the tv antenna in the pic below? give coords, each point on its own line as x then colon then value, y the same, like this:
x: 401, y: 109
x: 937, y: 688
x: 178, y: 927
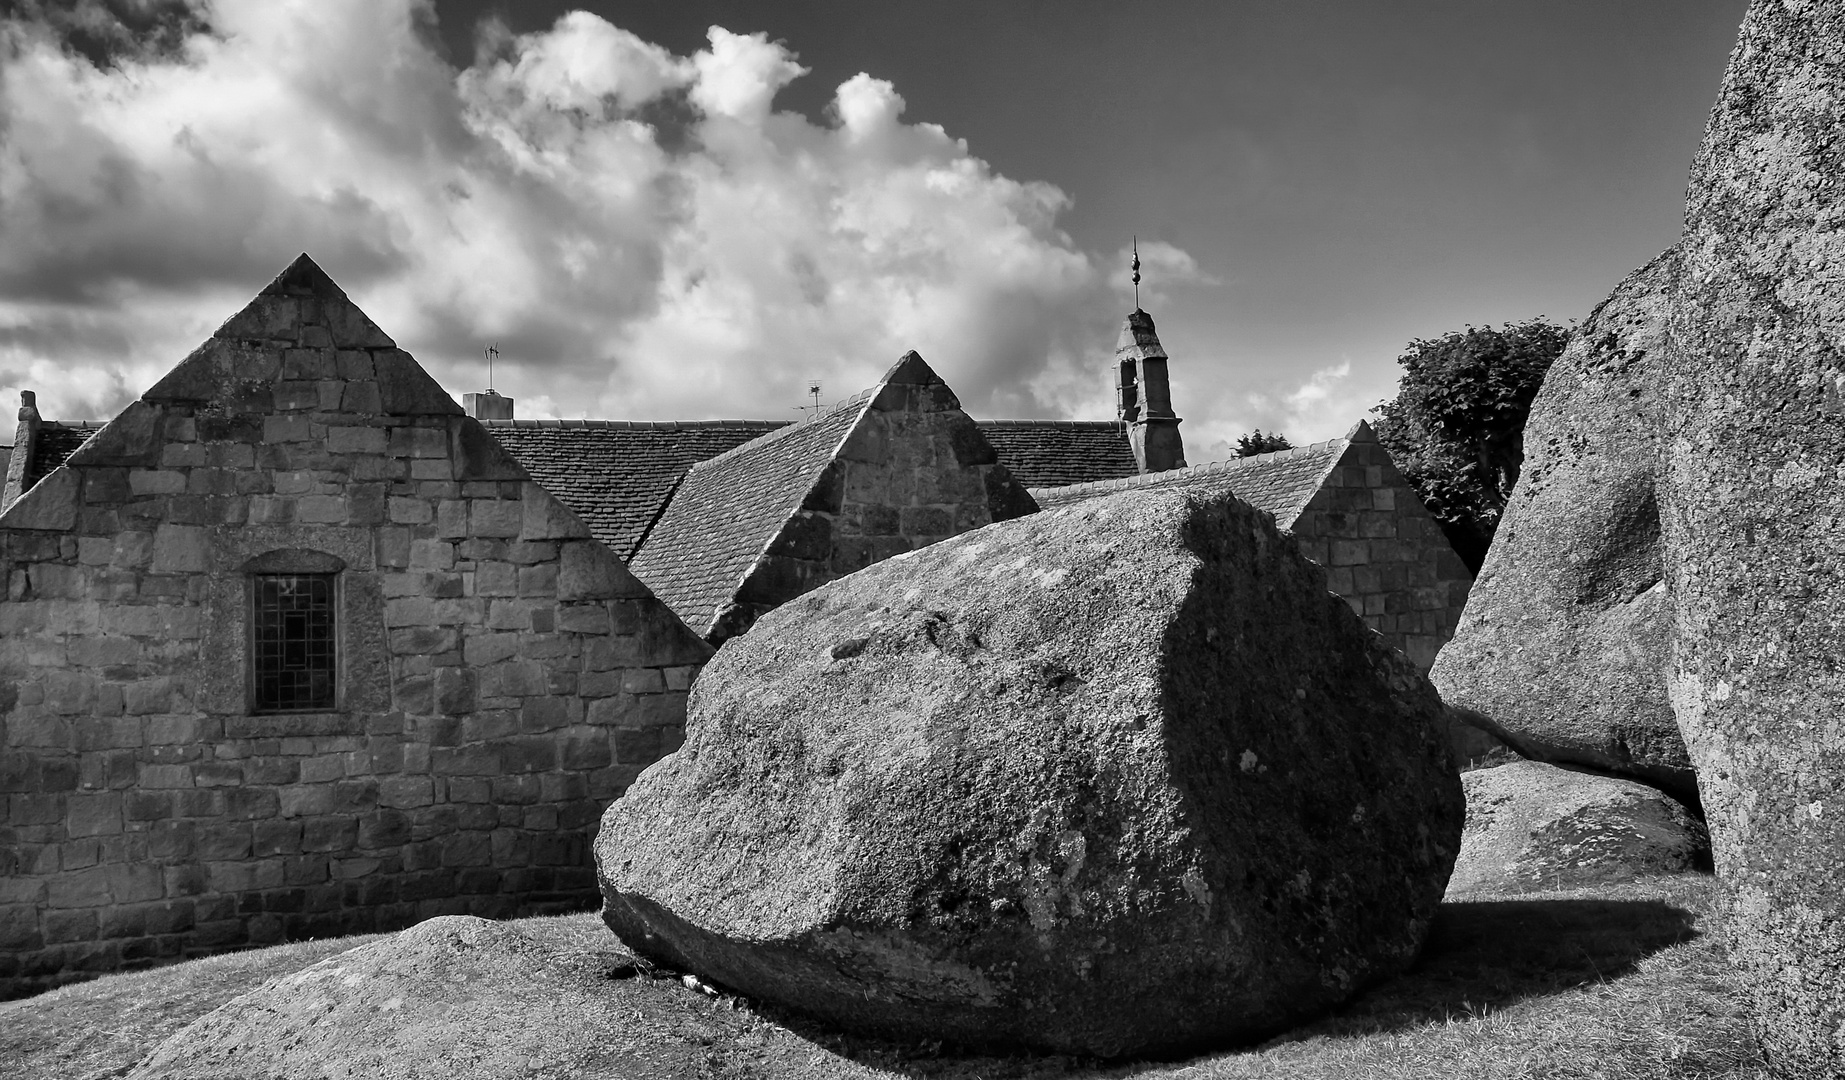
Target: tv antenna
x: 492, y: 353
x: 813, y: 390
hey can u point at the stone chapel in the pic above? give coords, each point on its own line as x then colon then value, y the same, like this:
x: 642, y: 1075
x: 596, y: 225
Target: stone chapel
x: 297, y: 646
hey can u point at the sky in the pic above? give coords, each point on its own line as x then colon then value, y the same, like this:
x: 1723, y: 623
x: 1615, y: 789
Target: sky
x: 684, y: 209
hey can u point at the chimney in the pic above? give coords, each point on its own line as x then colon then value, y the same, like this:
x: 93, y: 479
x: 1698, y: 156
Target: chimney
x: 488, y: 405
x: 24, y: 436
x: 1144, y: 400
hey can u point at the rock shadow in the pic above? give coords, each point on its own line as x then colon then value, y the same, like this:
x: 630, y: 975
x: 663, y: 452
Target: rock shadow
x: 1485, y: 954
x: 1482, y: 955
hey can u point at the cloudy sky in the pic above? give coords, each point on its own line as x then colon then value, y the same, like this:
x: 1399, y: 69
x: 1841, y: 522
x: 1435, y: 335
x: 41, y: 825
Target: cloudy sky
x: 666, y: 209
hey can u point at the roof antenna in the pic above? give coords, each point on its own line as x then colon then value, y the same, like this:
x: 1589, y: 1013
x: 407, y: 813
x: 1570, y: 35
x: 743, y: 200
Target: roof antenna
x: 813, y: 388
x: 1136, y: 272
x: 492, y: 353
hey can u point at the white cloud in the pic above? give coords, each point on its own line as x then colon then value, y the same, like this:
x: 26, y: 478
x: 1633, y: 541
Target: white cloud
x: 740, y: 74
x: 1325, y: 405
x: 584, y: 60
x: 867, y: 107
x: 533, y: 200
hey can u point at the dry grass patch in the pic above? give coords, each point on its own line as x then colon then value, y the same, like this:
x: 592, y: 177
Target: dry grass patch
x: 1620, y: 982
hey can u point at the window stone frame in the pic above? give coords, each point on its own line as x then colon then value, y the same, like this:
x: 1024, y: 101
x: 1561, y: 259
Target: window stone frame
x: 301, y: 561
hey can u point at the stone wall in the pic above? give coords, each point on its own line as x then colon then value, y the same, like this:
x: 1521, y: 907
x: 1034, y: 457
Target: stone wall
x: 500, y: 676
x: 1383, y: 552
x: 914, y: 470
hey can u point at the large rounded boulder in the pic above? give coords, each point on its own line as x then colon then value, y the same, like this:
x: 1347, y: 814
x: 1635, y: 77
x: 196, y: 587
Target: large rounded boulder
x: 1563, y: 649
x: 1116, y: 779
x: 1752, y: 509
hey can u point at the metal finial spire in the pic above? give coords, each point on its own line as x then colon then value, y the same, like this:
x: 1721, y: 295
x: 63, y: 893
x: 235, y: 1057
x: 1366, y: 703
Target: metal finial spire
x: 1137, y: 272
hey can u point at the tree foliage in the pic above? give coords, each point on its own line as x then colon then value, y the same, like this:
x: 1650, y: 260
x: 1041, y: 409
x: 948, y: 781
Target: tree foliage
x: 1456, y: 428
x: 1257, y: 443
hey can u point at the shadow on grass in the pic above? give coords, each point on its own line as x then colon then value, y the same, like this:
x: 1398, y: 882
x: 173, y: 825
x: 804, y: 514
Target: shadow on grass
x: 1481, y: 956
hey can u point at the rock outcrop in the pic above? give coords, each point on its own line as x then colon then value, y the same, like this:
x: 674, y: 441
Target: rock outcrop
x: 1532, y: 826
x: 1562, y: 650
x: 1122, y: 778
x: 1752, y: 508
x: 454, y: 997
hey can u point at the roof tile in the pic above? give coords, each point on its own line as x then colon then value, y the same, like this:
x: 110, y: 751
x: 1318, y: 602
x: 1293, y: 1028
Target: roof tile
x: 618, y: 475
x: 1053, y: 453
x: 726, y: 511
x: 55, y: 441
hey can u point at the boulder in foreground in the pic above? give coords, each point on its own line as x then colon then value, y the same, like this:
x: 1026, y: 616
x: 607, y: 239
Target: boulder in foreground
x: 1121, y: 778
x: 1532, y: 826
x: 1751, y: 512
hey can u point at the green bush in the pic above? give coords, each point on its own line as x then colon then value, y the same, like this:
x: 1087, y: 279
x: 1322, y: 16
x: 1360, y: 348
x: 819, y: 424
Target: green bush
x: 1456, y: 427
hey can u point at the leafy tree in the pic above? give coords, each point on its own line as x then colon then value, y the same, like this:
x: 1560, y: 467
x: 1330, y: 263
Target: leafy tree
x: 1257, y: 443
x: 1456, y: 428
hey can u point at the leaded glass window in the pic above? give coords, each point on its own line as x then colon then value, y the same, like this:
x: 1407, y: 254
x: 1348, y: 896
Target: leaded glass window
x: 293, y: 642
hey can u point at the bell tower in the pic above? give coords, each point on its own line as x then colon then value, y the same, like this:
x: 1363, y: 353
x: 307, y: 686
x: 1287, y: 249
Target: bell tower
x: 1143, y: 400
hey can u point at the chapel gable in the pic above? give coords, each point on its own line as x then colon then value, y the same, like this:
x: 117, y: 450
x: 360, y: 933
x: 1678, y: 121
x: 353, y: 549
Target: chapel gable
x: 292, y: 647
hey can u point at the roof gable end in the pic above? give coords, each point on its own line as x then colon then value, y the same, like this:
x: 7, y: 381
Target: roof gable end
x: 890, y: 469
x: 280, y: 340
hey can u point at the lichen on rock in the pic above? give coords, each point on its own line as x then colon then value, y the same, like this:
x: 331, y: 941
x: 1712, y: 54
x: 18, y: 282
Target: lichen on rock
x: 1087, y: 781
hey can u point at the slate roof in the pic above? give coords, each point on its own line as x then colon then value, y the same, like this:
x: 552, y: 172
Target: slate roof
x: 618, y: 475
x: 727, y: 510
x: 1053, y: 453
x: 55, y: 441
x: 1281, y: 483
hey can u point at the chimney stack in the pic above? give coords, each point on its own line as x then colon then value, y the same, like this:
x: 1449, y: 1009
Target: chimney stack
x: 25, y: 439
x: 488, y: 405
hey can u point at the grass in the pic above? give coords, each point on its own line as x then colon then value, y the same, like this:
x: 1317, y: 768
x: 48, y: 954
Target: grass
x: 1618, y: 981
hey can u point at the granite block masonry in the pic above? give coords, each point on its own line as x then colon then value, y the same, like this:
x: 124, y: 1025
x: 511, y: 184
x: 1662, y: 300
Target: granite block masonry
x: 291, y: 648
